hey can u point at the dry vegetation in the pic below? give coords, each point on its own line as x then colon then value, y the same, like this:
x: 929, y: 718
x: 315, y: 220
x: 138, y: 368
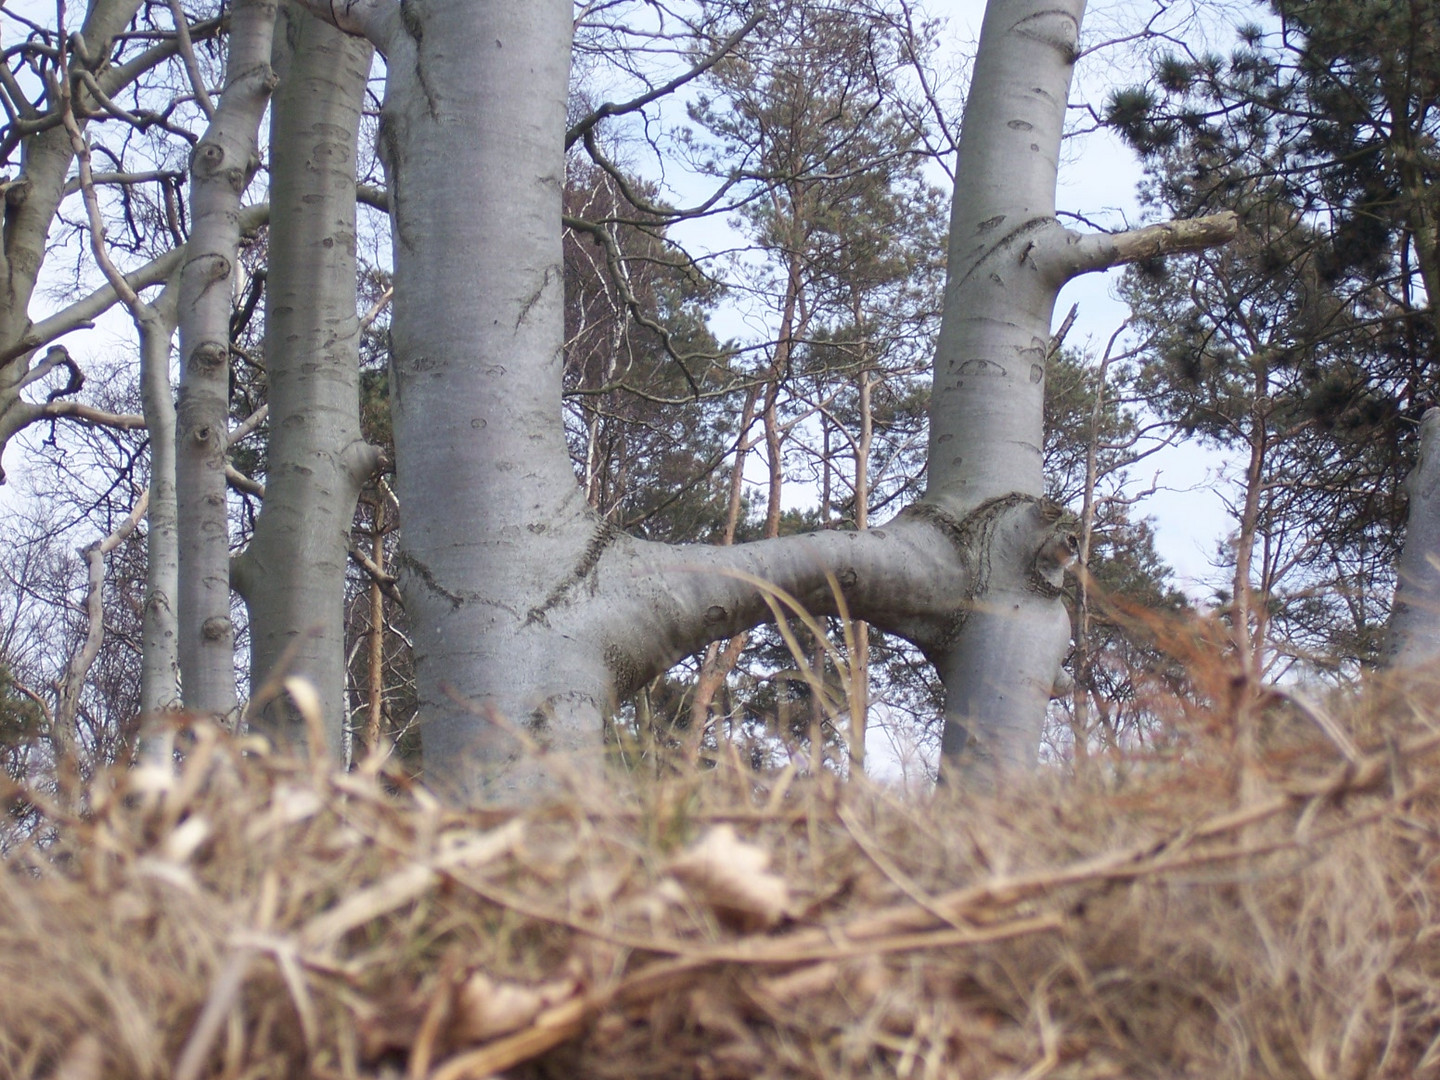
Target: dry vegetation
x: 1198, y: 910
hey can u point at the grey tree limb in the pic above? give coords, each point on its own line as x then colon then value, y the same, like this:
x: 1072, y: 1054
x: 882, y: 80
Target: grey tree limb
x: 222, y: 165
x: 531, y: 615
x: 292, y: 575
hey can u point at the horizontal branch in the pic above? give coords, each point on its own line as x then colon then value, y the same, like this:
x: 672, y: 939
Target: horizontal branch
x: 662, y: 602
x: 1100, y: 251
x: 74, y: 410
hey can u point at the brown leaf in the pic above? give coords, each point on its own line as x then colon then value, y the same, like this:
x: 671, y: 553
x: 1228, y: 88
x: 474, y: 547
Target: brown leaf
x: 485, y: 1009
x: 733, y: 877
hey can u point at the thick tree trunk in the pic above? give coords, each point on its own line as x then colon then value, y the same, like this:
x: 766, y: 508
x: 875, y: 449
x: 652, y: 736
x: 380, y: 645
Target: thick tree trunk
x: 220, y: 169
x: 986, y: 429
x: 494, y: 520
x: 1008, y: 259
x: 530, y: 612
x: 292, y: 575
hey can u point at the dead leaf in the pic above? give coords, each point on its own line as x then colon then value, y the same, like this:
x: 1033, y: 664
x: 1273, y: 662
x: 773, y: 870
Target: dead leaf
x: 733, y: 877
x: 485, y: 1009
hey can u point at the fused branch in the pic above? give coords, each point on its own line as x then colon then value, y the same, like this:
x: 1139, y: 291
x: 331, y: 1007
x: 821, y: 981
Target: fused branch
x: 373, y: 19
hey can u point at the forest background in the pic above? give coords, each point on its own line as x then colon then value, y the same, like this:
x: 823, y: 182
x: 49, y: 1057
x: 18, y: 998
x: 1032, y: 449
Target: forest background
x: 1297, y: 362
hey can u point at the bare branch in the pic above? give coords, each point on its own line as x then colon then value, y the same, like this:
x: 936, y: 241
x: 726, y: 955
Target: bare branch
x: 128, y: 296
x: 247, y: 426
x: 63, y: 729
x: 244, y: 484
x: 1100, y: 251
x: 80, y: 315
x: 89, y: 415
x: 385, y: 581
x: 634, y: 104
x: 187, y: 54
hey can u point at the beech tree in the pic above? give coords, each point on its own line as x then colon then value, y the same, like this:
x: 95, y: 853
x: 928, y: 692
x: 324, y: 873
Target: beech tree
x: 530, y: 612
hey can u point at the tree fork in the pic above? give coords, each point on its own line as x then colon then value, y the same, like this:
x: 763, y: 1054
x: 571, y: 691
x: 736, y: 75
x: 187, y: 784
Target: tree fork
x: 472, y: 141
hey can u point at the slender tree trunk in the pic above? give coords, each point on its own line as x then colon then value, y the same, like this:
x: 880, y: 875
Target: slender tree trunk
x: 1244, y: 630
x: 376, y: 654
x: 64, y: 732
x: 718, y: 662
x: 159, y: 628
x: 859, y: 628
x: 1008, y: 259
x: 292, y: 575
x: 1415, y: 619
x: 1080, y: 693
x: 220, y: 170
x: 986, y: 430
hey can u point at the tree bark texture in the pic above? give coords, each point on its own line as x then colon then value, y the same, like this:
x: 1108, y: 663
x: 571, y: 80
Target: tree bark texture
x: 221, y: 166
x: 1415, y: 619
x: 986, y: 428
x: 532, y: 616
x: 160, y: 659
x: 292, y: 575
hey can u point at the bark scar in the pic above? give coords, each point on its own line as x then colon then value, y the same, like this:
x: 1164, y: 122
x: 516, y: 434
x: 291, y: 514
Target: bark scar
x: 415, y: 28
x: 408, y: 563
x: 974, y: 539
x: 534, y: 297
x: 603, y: 537
x: 1066, y: 47
x: 1033, y: 225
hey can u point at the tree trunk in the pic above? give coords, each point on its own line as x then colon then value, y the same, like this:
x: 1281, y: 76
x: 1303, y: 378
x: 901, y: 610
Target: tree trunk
x: 64, y: 729
x: 292, y: 575
x: 159, y: 628
x: 859, y: 629
x: 220, y: 169
x: 1415, y: 619
x: 375, y: 655
x: 530, y: 614
x: 987, y: 418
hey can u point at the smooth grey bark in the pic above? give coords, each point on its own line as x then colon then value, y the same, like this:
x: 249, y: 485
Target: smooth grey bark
x: 292, y: 575
x: 1008, y: 259
x: 63, y: 730
x: 1415, y: 618
x: 221, y: 166
x: 528, y: 612
x: 160, y: 657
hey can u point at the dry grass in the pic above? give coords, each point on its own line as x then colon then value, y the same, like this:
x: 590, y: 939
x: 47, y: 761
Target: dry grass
x: 1181, y: 915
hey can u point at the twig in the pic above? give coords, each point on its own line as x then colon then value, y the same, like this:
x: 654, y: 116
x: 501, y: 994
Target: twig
x: 187, y: 53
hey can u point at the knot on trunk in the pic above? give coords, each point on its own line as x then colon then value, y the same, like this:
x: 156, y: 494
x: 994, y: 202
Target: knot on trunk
x: 1013, y: 543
